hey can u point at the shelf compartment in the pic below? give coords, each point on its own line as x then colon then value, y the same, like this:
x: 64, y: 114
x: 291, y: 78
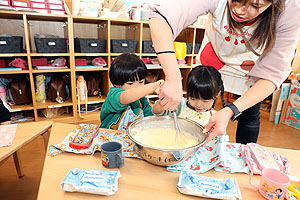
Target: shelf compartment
x: 17, y: 108
x: 64, y: 118
x: 50, y: 104
x: 47, y: 17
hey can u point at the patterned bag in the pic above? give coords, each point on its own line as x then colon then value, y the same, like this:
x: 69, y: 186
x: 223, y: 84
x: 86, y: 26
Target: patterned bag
x: 258, y: 157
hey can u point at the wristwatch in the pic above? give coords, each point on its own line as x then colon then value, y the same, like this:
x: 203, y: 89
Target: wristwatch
x: 235, y: 111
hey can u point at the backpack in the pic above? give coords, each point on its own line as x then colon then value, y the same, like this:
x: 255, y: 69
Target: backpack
x: 93, y: 85
x: 258, y: 157
x: 20, y: 90
x: 57, y: 89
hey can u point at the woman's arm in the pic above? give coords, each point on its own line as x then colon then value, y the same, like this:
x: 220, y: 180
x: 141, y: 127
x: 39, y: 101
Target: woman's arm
x: 218, y: 122
x: 134, y: 94
x: 171, y: 91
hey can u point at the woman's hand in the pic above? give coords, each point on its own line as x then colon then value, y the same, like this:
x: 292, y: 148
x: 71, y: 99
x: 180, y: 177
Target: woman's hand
x: 217, y: 124
x: 171, y: 94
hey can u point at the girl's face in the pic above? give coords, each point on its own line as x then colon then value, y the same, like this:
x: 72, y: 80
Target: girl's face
x: 201, y: 105
x: 132, y: 84
x: 248, y: 10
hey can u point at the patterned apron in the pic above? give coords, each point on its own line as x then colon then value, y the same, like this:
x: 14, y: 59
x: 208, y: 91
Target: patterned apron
x: 227, y: 52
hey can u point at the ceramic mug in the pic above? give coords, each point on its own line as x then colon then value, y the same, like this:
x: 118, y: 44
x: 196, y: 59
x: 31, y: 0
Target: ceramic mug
x: 111, y: 155
x: 273, y: 184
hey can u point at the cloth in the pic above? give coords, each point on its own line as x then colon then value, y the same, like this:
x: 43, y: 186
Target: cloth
x: 102, y: 137
x: 111, y: 111
x: 7, y: 134
x: 218, y: 154
x: 229, y: 56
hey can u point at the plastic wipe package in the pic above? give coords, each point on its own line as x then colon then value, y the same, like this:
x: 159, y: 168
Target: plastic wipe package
x: 208, y: 187
x: 91, y: 181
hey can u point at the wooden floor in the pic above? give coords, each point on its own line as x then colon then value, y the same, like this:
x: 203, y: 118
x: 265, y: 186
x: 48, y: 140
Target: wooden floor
x: 32, y: 157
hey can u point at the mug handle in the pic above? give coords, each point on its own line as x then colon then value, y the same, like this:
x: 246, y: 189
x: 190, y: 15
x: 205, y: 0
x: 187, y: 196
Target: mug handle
x: 118, y: 161
x: 251, y: 183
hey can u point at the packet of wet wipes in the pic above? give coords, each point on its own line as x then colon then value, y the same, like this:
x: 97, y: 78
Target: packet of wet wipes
x: 91, y: 181
x: 208, y: 187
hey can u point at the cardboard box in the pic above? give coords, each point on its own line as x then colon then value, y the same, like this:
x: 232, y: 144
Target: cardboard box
x: 292, y: 110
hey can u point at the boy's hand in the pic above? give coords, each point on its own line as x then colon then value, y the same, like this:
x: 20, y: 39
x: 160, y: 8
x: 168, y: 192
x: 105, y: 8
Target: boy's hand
x: 157, y: 86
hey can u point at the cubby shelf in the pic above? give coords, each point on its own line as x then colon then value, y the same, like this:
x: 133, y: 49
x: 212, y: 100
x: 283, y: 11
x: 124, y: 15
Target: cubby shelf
x: 28, y: 24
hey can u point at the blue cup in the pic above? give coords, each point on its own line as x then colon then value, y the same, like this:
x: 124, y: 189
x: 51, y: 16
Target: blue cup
x: 111, y: 155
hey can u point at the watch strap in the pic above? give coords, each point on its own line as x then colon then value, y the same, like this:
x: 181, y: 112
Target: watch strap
x: 235, y: 110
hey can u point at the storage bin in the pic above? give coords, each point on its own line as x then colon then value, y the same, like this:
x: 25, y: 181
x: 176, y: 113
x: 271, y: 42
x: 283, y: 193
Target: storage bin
x: 123, y: 46
x: 189, y: 48
x: 80, y: 62
x: 86, y: 45
x: 51, y: 45
x: 39, y: 62
x: 147, y: 47
x: 12, y: 44
x: 3, y: 63
x: 197, y: 48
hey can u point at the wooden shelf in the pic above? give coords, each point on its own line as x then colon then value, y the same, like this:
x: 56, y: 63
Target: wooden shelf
x: 17, y: 108
x: 81, y: 27
x: 91, y: 69
x: 91, y: 54
x: 15, y: 72
x: 90, y: 116
x: 149, y: 54
x: 93, y: 100
x: 49, y: 54
x: 64, y: 118
x: 13, y: 54
x: 50, y: 70
x: 50, y: 104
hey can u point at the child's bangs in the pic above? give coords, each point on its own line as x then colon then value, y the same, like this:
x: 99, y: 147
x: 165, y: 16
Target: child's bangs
x: 138, y: 74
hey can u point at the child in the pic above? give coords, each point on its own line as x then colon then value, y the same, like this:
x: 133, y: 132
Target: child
x: 204, y: 85
x: 125, y: 101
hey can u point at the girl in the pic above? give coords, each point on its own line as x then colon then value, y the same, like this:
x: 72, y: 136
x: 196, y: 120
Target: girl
x: 125, y: 101
x: 204, y: 85
x: 251, y: 42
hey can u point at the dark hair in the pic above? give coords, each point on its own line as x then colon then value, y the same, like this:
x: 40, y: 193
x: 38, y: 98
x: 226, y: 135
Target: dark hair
x: 205, y: 82
x: 265, y: 32
x: 127, y: 67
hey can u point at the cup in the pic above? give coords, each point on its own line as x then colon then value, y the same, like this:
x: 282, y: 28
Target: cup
x: 273, y: 184
x: 111, y: 155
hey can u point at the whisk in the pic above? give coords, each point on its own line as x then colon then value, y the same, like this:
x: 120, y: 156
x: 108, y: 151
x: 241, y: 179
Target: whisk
x: 179, y: 137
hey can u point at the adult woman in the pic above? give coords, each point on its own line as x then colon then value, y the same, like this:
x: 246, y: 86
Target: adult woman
x: 251, y: 42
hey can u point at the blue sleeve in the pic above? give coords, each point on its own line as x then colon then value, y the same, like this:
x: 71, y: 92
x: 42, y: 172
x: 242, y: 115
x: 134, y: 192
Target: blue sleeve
x: 179, y: 108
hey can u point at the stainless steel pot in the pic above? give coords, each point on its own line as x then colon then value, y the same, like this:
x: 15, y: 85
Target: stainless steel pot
x: 164, y: 157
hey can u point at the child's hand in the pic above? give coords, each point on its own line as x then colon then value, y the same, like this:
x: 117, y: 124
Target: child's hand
x: 158, y: 86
